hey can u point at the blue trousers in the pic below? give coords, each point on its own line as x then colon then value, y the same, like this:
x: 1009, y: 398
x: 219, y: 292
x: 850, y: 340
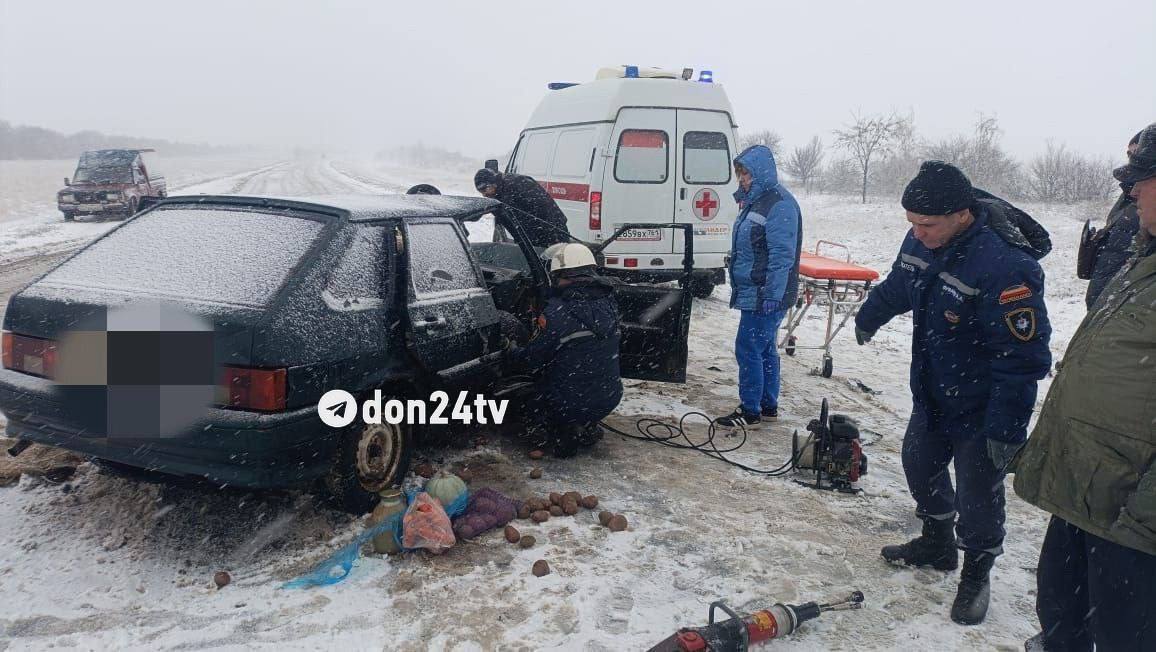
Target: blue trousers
x: 758, y: 360
x: 979, y: 494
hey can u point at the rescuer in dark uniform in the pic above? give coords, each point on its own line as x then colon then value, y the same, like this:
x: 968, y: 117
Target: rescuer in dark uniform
x: 574, y: 357
x: 527, y: 204
x: 969, y: 277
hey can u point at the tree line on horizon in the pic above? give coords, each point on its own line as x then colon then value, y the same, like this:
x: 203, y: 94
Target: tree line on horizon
x: 876, y: 155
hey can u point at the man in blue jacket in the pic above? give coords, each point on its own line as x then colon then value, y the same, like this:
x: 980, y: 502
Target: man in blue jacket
x: 980, y: 344
x: 764, y: 275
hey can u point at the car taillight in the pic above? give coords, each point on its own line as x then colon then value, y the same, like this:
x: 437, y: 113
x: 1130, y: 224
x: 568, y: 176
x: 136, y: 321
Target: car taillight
x: 30, y: 355
x: 253, y: 389
x: 595, y: 211
x: 630, y: 262
x: 612, y: 260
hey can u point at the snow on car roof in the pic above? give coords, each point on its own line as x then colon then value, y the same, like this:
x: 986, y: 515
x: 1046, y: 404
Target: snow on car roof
x: 359, y: 207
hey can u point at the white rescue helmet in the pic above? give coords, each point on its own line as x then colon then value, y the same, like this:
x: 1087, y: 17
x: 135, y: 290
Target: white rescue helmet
x: 568, y: 255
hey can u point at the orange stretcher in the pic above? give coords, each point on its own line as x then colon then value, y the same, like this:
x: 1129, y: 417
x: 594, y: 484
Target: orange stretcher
x: 838, y: 285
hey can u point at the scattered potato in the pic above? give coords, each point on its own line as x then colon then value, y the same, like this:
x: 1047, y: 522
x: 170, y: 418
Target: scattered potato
x: 524, y: 511
x: 540, y: 516
x: 617, y: 523
x: 556, y: 510
x: 589, y: 502
x: 536, y: 454
x: 527, y: 541
x: 573, y: 495
x: 222, y: 579
x: 555, y: 498
x: 535, y: 473
x: 512, y: 534
x: 604, y: 517
x: 541, y: 568
x: 569, y: 507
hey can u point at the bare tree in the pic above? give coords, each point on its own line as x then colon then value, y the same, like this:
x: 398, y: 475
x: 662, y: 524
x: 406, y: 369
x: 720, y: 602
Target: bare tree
x: 773, y: 141
x: 805, y: 162
x: 1062, y: 176
x: 868, y: 137
x: 981, y: 157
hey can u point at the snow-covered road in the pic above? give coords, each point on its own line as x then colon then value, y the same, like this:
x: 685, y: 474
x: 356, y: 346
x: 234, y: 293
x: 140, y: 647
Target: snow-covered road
x: 111, y: 563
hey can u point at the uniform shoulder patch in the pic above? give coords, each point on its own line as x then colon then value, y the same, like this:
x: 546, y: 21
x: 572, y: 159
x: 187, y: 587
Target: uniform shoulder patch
x: 1014, y: 293
x: 1022, y: 323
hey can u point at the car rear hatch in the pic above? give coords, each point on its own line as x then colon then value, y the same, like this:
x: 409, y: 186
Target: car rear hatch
x: 178, y: 293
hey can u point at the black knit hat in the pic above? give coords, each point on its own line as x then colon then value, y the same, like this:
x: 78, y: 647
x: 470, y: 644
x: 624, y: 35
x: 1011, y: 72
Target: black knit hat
x: 487, y: 177
x: 1142, y: 163
x: 939, y: 189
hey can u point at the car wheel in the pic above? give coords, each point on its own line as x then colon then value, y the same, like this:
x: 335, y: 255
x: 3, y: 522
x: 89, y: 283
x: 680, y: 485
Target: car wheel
x: 828, y: 366
x: 68, y: 217
x: 373, y: 457
x: 702, y: 288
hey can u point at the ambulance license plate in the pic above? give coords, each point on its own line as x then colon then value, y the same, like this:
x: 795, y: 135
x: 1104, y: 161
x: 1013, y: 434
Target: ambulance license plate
x: 640, y: 235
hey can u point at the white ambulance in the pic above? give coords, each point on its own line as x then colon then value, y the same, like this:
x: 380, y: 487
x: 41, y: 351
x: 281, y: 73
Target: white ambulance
x: 639, y: 145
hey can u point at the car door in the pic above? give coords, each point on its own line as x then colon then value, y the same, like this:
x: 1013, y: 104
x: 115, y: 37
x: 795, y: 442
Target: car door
x: 638, y: 185
x: 450, y: 313
x: 704, y: 151
x: 655, y: 320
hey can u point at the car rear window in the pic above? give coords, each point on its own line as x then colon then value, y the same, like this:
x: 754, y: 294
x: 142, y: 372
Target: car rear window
x: 642, y: 156
x: 219, y: 255
x: 706, y: 157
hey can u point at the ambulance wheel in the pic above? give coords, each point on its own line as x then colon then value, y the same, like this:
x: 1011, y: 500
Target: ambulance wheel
x: 701, y: 288
x: 828, y: 366
x: 791, y: 342
x: 372, y: 457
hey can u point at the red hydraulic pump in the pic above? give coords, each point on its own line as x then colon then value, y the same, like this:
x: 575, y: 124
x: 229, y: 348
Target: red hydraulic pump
x: 739, y: 632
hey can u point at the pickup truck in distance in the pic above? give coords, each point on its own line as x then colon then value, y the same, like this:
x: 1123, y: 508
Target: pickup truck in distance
x: 111, y: 182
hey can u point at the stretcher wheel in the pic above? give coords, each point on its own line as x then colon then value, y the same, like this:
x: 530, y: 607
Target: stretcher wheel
x: 828, y: 366
x: 791, y: 341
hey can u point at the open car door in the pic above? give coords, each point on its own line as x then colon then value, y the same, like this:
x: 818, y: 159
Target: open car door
x: 655, y: 320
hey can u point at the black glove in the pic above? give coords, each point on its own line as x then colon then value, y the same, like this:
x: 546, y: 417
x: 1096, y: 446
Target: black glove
x: 1002, y: 453
x: 862, y: 336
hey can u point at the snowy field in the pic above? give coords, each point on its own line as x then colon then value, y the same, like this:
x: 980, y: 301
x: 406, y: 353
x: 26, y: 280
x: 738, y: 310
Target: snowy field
x: 101, y: 562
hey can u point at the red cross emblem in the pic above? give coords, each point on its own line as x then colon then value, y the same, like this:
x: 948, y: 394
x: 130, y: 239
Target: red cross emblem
x: 705, y: 204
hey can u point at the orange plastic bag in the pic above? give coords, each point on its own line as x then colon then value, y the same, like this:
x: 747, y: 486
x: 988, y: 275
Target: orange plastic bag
x: 426, y: 525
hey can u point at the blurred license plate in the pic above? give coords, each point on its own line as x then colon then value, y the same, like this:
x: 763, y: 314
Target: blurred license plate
x: 91, y: 207
x: 641, y: 234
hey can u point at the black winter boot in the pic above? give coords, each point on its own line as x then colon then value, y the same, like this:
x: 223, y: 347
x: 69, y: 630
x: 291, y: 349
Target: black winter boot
x: 970, y: 606
x: 935, y: 547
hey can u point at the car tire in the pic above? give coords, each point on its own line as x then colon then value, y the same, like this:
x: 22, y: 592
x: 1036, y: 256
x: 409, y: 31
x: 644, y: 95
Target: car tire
x: 372, y: 457
x: 702, y: 288
x: 68, y: 217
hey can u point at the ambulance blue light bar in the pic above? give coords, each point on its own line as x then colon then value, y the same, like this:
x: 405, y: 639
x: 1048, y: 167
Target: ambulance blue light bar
x: 557, y: 86
x: 632, y: 72
x: 706, y: 76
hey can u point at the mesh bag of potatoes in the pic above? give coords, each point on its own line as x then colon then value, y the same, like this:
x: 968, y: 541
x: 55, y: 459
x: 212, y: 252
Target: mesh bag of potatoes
x: 487, y: 509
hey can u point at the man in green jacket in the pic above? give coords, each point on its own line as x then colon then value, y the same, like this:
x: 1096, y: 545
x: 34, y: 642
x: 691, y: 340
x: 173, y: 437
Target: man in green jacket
x: 1091, y: 460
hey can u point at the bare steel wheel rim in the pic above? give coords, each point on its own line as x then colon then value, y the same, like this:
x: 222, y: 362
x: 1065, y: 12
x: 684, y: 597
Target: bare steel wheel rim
x: 378, y: 455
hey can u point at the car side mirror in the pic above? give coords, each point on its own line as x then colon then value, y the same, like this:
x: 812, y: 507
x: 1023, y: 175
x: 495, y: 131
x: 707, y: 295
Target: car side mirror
x: 492, y: 164
x: 66, y: 181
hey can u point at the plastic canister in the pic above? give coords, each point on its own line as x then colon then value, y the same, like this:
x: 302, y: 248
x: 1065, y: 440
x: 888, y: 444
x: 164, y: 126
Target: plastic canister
x: 392, y: 506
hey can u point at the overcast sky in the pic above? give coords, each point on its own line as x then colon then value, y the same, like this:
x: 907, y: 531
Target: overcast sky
x: 466, y: 75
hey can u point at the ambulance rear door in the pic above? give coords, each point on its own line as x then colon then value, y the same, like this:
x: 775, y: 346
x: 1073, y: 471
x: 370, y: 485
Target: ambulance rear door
x: 638, y: 184
x: 706, y: 183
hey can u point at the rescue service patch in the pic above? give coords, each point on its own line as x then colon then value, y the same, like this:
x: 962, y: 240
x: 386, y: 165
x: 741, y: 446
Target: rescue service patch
x: 1022, y: 323
x: 951, y: 316
x: 1014, y: 293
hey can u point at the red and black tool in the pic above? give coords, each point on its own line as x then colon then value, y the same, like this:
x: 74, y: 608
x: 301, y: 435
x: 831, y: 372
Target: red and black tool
x: 739, y: 632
